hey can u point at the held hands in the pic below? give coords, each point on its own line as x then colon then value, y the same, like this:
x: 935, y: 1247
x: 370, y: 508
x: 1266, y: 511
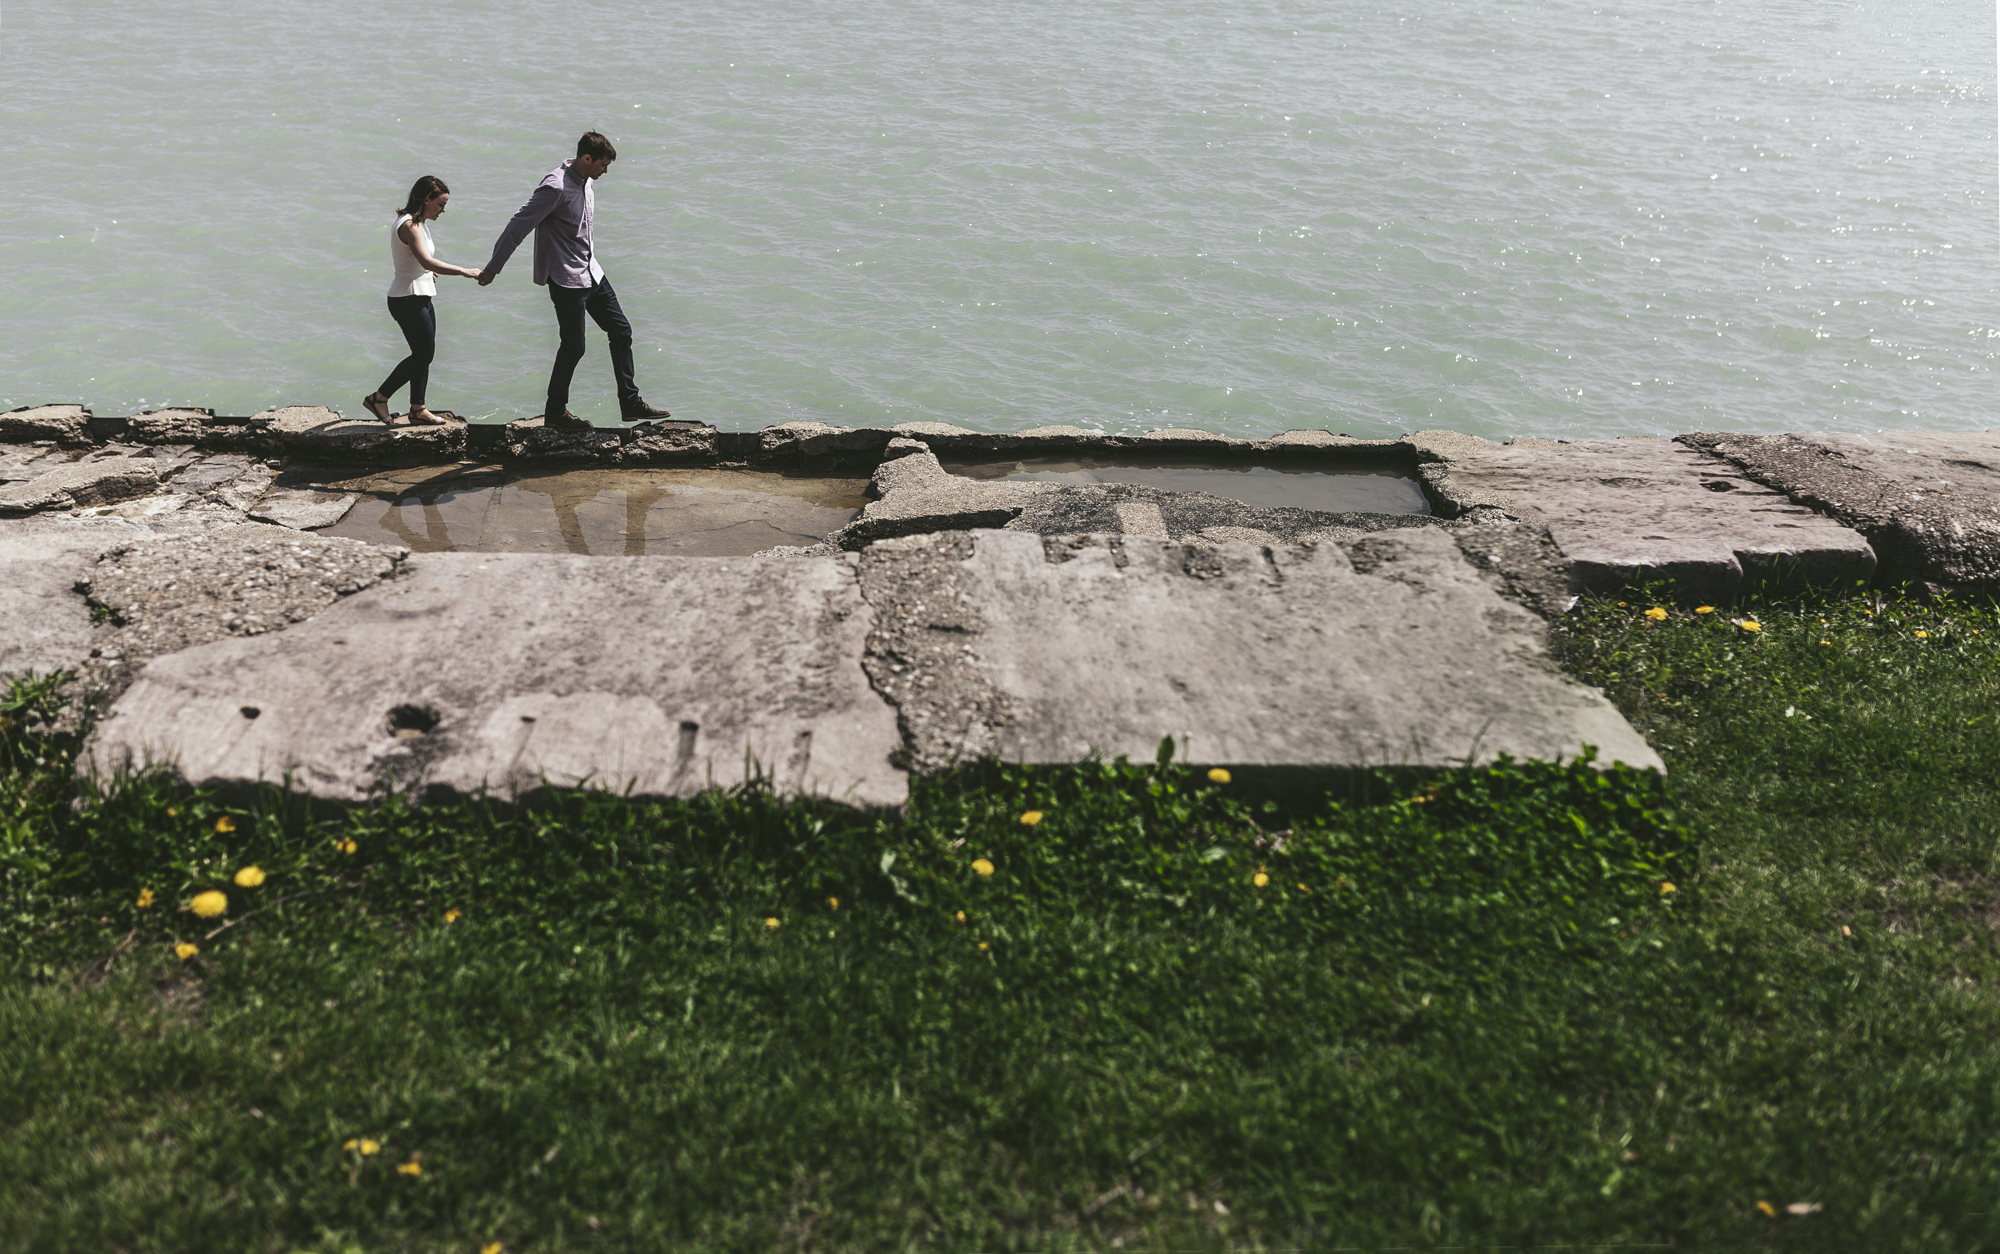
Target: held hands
x: 485, y: 276
x: 469, y: 272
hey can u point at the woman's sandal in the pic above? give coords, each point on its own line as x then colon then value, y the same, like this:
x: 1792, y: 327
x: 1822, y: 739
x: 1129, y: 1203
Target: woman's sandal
x: 370, y: 401
x: 425, y: 418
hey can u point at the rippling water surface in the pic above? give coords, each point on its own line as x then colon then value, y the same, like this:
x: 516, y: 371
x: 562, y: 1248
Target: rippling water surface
x: 1559, y: 219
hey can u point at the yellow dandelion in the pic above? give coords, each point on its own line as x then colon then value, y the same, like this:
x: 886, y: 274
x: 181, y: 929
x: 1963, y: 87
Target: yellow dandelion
x: 1621, y: 605
x: 833, y: 903
x: 186, y: 950
x: 1031, y: 818
x: 145, y: 898
x: 209, y: 904
x: 960, y: 916
x: 249, y: 877
x: 347, y: 1146
x: 1216, y: 775
x: 1260, y: 879
x: 982, y: 866
x: 1769, y: 1210
x: 345, y: 846
x: 771, y: 924
x: 1704, y: 609
x: 451, y: 915
x: 1656, y: 613
x: 411, y: 1168
x: 1826, y: 642
x: 369, y: 1146
x: 1304, y: 889
x: 983, y: 947
x: 1750, y: 624
x: 173, y: 812
x: 494, y: 1248
x: 1666, y: 886
x: 1923, y: 635
x: 225, y: 825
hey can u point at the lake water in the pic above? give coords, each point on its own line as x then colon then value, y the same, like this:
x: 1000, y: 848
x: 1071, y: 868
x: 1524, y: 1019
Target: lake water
x: 1558, y: 219
x: 680, y: 512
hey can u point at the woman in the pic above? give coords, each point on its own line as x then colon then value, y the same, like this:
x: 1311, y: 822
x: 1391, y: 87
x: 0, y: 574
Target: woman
x: 410, y: 297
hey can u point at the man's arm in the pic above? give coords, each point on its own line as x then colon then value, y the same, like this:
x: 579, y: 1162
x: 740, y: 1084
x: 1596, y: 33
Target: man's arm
x: 530, y: 216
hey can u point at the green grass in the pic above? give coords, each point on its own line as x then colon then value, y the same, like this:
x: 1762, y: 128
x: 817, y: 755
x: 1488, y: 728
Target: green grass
x: 1457, y: 1011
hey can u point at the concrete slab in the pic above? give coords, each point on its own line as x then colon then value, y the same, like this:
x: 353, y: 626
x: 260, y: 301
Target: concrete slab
x: 1042, y: 650
x: 917, y: 495
x: 22, y: 462
x: 303, y: 509
x: 65, y: 424
x: 1928, y: 501
x: 44, y: 619
x: 170, y: 426
x: 81, y: 484
x: 205, y: 580
x: 664, y: 676
x: 315, y: 431
x: 1625, y: 509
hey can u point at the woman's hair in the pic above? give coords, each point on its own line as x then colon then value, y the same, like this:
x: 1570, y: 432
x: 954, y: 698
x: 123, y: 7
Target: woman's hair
x: 421, y: 191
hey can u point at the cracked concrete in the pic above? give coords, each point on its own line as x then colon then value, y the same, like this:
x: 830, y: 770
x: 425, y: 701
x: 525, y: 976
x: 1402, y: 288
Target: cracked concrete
x: 1928, y: 501
x: 917, y: 495
x: 657, y: 677
x: 1287, y: 659
x: 80, y: 484
x: 170, y: 593
x: 1630, y: 509
x: 45, y: 623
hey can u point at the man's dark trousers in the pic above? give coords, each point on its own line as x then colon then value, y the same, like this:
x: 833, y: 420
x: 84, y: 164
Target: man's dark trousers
x: 602, y: 304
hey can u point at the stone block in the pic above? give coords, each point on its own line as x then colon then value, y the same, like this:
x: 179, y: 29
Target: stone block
x: 314, y: 431
x: 532, y: 439
x: 659, y: 676
x: 81, y: 484
x: 1928, y: 501
x: 169, y: 426
x: 801, y: 440
x: 1044, y: 650
x: 1623, y: 510
x: 65, y: 424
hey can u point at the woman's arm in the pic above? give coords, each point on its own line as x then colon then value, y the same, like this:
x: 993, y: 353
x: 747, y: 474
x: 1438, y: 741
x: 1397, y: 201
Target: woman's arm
x: 420, y: 244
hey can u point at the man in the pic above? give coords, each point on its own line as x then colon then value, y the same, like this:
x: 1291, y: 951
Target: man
x: 559, y: 214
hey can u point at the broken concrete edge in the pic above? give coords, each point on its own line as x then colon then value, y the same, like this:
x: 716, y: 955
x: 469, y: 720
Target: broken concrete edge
x: 1932, y: 535
x: 916, y: 495
x: 153, y: 594
x: 1532, y: 715
x: 319, y: 433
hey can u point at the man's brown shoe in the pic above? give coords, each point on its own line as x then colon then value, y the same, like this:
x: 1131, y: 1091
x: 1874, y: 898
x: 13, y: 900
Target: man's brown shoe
x: 565, y: 421
x: 640, y: 411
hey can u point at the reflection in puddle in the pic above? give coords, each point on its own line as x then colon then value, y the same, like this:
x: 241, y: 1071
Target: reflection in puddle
x: 1363, y: 487
x: 694, y: 512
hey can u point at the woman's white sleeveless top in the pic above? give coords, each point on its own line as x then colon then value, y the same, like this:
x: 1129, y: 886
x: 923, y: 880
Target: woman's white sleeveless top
x: 411, y: 277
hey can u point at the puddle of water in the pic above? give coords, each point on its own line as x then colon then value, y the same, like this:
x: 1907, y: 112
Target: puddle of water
x: 1366, y: 487
x: 693, y: 512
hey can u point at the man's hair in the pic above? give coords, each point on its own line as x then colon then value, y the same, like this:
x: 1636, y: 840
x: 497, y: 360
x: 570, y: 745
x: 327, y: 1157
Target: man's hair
x: 594, y: 145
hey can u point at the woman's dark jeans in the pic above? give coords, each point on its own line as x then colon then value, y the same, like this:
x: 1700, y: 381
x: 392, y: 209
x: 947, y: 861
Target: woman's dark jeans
x: 420, y: 327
